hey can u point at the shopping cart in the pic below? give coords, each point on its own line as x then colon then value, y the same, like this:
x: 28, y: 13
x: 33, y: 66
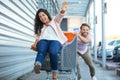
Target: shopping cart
x: 67, y: 60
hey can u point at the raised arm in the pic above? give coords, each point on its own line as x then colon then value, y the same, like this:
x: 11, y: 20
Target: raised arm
x: 60, y: 15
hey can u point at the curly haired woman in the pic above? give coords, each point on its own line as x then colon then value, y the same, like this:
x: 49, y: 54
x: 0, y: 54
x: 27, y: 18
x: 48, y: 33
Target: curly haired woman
x: 50, y: 38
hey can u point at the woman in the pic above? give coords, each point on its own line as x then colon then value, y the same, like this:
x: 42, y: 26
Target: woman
x: 84, y: 38
x: 49, y: 38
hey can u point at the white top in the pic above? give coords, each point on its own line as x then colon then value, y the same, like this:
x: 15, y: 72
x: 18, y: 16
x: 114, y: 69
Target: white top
x: 48, y: 33
x: 55, y: 24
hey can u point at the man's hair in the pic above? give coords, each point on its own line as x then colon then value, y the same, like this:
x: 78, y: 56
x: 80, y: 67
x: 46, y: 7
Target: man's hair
x: 84, y: 24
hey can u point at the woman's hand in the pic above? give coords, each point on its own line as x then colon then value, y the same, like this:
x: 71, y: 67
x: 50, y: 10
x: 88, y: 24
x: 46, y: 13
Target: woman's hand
x: 33, y: 47
x: 64, y: 7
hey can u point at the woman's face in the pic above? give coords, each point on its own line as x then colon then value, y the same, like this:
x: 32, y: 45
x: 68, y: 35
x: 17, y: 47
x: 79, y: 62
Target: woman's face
x: 43, y: 18
x: 85, y: 30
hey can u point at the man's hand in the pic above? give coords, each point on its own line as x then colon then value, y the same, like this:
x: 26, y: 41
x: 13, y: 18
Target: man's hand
x: 76, y: 33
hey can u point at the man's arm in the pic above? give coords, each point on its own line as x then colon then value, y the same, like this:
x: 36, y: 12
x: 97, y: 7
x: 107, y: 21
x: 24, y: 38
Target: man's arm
x: 83, y: 39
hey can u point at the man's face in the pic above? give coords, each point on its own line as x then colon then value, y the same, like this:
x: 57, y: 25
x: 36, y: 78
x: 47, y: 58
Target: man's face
x: 85, y: 30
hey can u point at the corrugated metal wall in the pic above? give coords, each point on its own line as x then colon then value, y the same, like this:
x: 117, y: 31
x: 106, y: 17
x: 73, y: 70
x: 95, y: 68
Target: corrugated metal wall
x: 16, y: 37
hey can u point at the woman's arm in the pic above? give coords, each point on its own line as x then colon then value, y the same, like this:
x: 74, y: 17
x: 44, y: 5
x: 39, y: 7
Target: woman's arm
x: 34, y: 45
x: 60, y: 15
x: 37, y: 38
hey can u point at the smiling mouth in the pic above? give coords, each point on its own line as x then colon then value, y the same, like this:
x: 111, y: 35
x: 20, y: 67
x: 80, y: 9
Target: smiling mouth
x: 43, y: 20
x: 85, y: 33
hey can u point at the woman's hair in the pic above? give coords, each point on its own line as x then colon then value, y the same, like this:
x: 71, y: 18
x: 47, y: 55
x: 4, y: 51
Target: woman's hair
x: 38, y: 25
x: 84, y: 24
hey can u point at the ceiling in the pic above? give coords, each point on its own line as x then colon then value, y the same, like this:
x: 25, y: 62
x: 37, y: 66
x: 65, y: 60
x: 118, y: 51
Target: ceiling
x: 75, y: 7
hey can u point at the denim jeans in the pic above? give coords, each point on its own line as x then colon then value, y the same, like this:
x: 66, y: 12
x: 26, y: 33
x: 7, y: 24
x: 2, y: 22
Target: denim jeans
x: 52, y: 47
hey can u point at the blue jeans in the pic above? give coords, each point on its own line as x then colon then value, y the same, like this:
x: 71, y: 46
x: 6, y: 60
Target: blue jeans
x: 52, y: 47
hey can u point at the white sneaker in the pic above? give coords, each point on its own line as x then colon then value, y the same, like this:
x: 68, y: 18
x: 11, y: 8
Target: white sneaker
x: 94, y: 78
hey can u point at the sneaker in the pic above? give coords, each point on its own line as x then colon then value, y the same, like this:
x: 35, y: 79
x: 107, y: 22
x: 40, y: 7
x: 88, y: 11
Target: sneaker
x: 37, y: 69
x: 79, y: 79
x: 94, y: 78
